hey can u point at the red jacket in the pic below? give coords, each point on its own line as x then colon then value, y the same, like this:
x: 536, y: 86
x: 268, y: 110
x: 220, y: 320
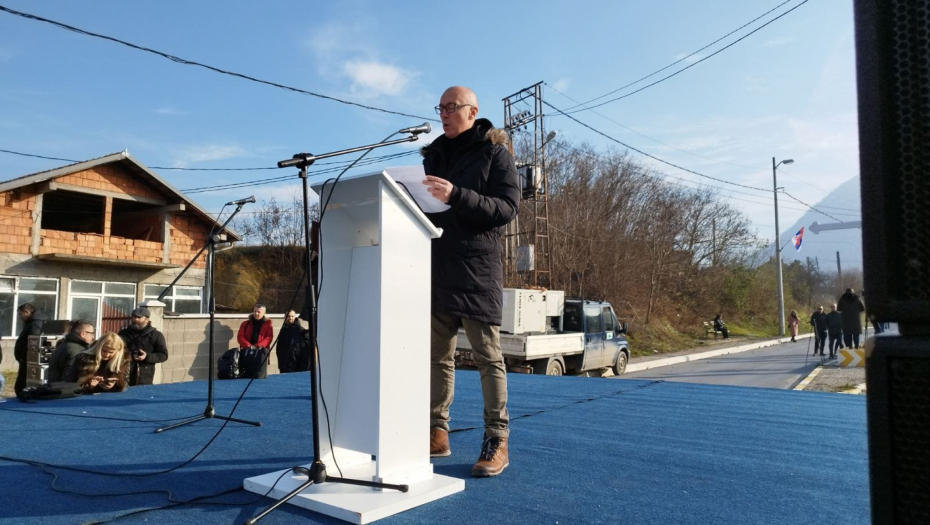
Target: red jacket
x: 265, y: 337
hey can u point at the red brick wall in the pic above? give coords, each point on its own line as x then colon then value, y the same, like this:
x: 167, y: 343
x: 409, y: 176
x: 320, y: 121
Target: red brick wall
x: 187, y: 237
x: 110, y: 177
x: 187, y: 232
x: 16, y: 221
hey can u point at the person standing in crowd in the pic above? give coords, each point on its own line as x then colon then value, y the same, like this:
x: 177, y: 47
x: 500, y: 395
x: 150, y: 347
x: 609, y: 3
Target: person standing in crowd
x: 469, y: 168
x: 256, y: 331
x: 720, y: 326
x: 793, y: 321
x: 32, y: 322
x: 819, y: 323
x: 78, y: 339
x: 835, y: 330
x: 104, y: 367
x: 146, y: 347
x: 293, y: 348
x: 851, y: 307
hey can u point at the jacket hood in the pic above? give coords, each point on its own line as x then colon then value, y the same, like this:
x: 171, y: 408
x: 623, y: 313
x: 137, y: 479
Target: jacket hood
x: 483, y: 130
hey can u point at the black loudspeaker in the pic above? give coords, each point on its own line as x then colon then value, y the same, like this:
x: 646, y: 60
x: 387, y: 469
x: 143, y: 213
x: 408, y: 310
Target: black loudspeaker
x: 898, y: 400
x: 893, y: 77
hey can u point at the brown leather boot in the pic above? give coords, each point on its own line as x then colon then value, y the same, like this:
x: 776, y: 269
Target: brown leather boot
x: 493, y: 459
x: 439, y: 443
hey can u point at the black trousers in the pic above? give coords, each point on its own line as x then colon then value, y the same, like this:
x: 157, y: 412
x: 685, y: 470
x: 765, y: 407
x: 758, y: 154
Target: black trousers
x: 725, y: 332
x: 820, y: 342
x: 836, y: 340
x: 851, y: 339
x: 21, y: 377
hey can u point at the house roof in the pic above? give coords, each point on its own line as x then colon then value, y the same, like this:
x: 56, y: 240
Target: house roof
x: 125, y: 160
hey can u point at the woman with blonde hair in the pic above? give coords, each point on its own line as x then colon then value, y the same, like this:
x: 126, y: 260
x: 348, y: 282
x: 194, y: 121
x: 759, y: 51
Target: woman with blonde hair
x: 104, y: 366
x: 793, y: 321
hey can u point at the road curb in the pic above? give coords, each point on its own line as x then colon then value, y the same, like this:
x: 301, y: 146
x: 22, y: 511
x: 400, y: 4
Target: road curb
x: 810, y: 377
x: 656, y: 363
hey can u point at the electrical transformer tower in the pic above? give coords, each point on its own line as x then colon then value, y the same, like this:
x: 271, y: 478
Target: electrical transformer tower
x: 527, y: 250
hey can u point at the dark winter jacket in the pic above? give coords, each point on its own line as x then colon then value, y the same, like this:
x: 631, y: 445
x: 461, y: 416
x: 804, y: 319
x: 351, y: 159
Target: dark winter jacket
x: 87, y: 370
x: 835, y: 323
x: 819, y: 322
x: 31, y: 327
x: 292, y: 348
x: 719, y: 324
x: 850, y: 305
x: 265, y: 335
x: 61, y: 364
x: 152, y: 342
x: 467, y: 271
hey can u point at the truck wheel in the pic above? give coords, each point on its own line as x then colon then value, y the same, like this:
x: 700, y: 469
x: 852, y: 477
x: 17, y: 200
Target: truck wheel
x: 549, y: 367
x: 620, y: 365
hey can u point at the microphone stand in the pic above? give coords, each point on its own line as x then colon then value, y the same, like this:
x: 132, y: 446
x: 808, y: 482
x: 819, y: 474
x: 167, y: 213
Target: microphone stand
x: 208, y: 412
x: 316, y: 474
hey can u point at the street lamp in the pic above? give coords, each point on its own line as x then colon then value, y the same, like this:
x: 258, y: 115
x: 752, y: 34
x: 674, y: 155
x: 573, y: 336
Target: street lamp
x: 781, y: 289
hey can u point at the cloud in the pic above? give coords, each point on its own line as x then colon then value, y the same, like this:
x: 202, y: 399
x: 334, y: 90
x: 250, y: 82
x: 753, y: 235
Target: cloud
x: 690, y: 59
x: 377, y: 77
x: 209, y: 152
x: 562, y: 84
x: 780, y: 41
x: 170, y: 110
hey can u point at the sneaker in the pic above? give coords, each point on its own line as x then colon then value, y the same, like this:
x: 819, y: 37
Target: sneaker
x: 493, y: 459
x: 439, y: 443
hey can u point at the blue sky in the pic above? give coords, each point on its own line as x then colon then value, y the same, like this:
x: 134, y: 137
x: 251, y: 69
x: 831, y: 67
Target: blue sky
x: 786, y: 91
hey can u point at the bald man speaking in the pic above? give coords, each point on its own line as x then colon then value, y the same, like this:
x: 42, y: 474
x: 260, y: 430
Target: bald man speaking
x: 469, y: 168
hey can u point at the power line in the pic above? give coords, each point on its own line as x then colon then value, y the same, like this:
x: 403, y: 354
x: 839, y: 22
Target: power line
x: 689, y: 66
x: 273, y: 180
x: 183, y: 61
x: 813, y: 208
x: 641, y: 152
x: 682, y: 59
x: 758, y: 169
x: 338, y: 162
x: 680, y: 182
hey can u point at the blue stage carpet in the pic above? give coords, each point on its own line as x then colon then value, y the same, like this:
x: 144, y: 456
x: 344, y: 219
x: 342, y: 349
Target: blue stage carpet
x: 582, y: 451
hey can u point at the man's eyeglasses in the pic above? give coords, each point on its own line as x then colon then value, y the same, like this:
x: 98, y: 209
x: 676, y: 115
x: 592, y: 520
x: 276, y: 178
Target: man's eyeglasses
x: 450, y: 108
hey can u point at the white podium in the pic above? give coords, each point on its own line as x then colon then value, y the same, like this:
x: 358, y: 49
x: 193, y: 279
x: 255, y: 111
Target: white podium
x: 374, y: 340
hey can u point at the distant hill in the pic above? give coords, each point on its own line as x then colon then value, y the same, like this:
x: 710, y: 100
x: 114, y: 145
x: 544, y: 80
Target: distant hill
x: 824, y: 246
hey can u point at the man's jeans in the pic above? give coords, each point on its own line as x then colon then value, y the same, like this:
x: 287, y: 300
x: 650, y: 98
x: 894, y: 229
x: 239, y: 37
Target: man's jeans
x: 486, y: 353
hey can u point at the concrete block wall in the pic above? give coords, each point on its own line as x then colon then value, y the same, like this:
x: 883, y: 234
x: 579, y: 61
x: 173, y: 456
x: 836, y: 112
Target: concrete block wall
x: 188, y: 349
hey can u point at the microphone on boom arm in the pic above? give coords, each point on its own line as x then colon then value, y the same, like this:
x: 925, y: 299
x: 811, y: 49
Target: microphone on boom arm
x: 416, y: 130
x: 240, y: 202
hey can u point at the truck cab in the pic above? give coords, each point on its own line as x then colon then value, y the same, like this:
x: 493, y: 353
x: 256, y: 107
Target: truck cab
x: 605, y: 343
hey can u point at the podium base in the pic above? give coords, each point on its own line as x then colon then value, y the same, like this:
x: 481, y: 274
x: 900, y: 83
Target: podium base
x: 354, y: 504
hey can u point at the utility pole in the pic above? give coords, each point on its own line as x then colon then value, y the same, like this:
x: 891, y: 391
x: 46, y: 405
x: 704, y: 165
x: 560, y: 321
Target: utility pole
x: 536, y: 247
x: 839, y: 270
x: 713, y: 242
x: 781, y: 289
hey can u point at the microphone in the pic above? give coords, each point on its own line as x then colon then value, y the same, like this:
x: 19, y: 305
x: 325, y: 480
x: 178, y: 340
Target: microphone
x: 416, y: 130
x: 240, y: 202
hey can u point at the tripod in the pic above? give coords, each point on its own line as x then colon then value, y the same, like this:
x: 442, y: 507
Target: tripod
x: 210, y: 247
x: 316, y: 474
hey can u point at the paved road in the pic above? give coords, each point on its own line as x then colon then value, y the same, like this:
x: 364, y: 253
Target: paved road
x: 781, y: 366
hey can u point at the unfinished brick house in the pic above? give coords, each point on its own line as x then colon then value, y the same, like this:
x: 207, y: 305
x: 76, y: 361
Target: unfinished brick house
x: 93, y: 239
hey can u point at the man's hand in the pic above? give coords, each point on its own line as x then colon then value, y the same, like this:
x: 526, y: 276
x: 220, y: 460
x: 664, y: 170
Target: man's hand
x: 439, y: 188
x: 141, y: 355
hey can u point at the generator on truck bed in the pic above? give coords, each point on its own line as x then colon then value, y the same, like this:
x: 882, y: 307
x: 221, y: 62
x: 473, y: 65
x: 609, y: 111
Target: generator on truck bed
x: 542, y: 332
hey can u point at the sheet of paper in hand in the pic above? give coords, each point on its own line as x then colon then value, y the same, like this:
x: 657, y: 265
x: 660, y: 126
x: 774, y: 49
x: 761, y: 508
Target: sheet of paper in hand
x: 412, y: 177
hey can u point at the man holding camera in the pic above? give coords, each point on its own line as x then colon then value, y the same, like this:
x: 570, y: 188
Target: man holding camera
x: 145, y: 345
